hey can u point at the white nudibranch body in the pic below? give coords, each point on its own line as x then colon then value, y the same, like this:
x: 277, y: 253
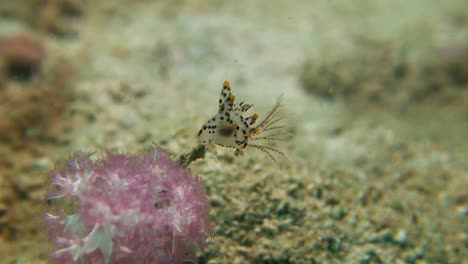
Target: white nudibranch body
x: 232, y: 128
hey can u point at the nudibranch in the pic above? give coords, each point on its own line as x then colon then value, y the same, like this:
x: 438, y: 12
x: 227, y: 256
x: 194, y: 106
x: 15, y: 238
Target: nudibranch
x: 232, y: 128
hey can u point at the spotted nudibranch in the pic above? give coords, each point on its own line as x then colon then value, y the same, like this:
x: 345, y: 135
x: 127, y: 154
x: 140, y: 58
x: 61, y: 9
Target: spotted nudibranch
x: 231, y: 128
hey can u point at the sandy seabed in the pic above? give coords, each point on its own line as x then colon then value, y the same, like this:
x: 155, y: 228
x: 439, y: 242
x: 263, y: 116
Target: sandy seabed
x: 375, y: 99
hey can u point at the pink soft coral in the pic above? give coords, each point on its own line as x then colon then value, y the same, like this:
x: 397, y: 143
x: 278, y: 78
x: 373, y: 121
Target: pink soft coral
x: 127, y: 209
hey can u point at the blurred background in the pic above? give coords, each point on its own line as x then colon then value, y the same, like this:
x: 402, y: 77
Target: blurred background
x: 376, y: 98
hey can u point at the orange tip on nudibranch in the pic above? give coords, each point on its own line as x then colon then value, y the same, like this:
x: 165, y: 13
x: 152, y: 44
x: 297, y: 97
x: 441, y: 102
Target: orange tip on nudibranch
x: 226, y: 84
x: 232, y: 98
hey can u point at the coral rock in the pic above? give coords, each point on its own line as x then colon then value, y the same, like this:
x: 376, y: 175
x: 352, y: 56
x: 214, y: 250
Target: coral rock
x: 21, y: 53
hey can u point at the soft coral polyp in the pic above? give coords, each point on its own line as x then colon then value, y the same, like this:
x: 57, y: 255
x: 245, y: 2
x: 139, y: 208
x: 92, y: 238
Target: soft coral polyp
x: 127, y: 209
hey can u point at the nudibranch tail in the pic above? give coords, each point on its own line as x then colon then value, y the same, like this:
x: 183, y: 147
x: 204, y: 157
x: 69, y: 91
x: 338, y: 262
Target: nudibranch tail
x: 271, y: 133
x: 267, y: 149
x: 284, y: 136
x: 267, y: 121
